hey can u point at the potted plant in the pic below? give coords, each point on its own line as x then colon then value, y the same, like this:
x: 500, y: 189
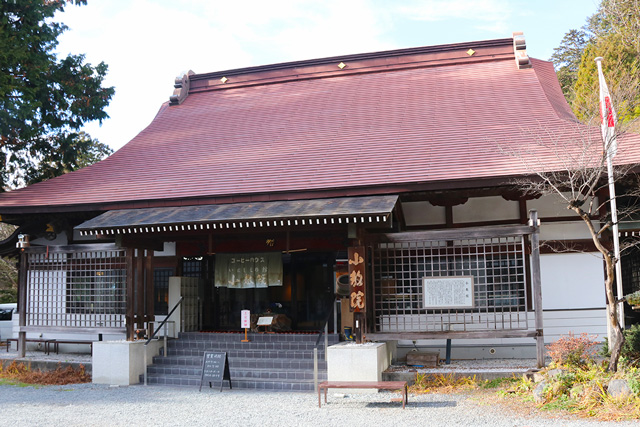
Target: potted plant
x: 633, y: 299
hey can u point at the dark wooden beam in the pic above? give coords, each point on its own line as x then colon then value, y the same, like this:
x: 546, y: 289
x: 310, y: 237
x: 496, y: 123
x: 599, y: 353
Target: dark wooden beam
x: 130, y: 296
x: 453, y: 234
x: 537, y: 288
x: 149, y: 312
x: 139, y: 314
x: 22, y: 305
x: 524, y: 213
x: 448, y: 214
x: 451, y: 335
x: 142, y: 243
x: 72, y: 248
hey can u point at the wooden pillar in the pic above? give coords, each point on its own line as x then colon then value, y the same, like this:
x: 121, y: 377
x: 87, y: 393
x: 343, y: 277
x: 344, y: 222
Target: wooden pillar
x: 537, y: 285
x: 139, y: 312
x: 522, y: 207
x: 130, y: 296
x: 149, y: 313
x: 22, y: 304
x: 294, y: 292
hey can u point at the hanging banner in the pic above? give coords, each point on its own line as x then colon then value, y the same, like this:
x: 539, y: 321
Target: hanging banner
x: 248, y: 270
x: 356, y: 280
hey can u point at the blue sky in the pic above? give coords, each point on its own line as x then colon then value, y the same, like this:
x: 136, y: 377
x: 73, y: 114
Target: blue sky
x: 147, y: 43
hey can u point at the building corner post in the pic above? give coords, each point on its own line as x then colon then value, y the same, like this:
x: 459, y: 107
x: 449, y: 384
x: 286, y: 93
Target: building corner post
x: 22, y: 304
x: 534, y: 223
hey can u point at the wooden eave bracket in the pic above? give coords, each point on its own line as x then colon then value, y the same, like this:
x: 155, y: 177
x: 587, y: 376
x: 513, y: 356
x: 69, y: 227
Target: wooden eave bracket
x: 181, y: 88
x: 520, y: 50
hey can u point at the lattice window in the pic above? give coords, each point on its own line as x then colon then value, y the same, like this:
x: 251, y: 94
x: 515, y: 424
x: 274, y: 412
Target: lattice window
x: 161, y: 289
x: 192, y: 267
x: 82, y: 288
x: 499, y: 292
x: 631, y: 271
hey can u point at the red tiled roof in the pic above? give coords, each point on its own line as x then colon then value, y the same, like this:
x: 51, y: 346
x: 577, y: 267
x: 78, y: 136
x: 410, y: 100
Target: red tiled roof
x: 391, y: 119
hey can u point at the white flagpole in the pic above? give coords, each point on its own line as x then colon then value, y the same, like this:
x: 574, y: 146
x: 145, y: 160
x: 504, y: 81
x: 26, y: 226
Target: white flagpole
x: 610, y: 146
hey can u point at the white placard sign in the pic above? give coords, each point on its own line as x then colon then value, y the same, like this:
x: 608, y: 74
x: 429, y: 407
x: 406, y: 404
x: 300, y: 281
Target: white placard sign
x: 265, y: 321
x: 448, y: 292
x: 245, y: 319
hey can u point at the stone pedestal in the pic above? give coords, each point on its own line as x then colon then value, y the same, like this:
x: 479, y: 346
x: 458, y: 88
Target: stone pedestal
x: 357, y: 362
x: 121, y: 362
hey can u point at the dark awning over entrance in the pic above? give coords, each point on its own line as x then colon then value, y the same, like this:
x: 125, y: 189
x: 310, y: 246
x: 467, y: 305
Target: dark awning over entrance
x: 344, y: 210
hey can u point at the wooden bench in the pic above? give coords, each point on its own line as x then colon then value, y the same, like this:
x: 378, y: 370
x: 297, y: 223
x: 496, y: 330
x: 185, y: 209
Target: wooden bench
x: 379, y: 385
x: 56, y: 343
x: 47, y: 343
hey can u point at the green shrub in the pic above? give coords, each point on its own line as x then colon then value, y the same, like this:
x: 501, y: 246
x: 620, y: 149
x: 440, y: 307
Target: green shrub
x: 631, y: 347
x: 630, y: 352
x: 634, y: 385
x: 8, y: 296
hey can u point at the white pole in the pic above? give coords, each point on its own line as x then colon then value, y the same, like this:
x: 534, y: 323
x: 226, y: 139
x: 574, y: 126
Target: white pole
x: 609, y: 144
x: 616, y: 240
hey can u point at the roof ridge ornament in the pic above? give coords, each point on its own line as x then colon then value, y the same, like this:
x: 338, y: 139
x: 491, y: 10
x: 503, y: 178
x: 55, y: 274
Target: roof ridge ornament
x: 520, y: 50
x: 181, y: 90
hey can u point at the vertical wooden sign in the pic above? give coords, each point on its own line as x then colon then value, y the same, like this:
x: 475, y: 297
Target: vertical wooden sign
x: 357, y: 292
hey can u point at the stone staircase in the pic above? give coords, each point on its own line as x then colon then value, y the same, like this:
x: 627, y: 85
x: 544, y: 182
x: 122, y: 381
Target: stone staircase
x: 267, y: 362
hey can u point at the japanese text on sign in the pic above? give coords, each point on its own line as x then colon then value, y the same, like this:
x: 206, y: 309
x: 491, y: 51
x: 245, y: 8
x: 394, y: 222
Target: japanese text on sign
x: 448, y: 292
x: 245, y: 319
x: 357, y: 292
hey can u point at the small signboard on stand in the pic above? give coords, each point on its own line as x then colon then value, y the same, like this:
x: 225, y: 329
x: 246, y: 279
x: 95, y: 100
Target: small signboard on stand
x: 265, y: 321
x: 245, y: 323
x: 215, y: 367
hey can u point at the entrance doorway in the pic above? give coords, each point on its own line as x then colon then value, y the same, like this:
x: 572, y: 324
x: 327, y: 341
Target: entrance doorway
x: 304, y: 299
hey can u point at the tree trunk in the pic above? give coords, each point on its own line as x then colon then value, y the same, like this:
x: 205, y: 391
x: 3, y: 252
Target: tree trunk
x: 617, y: 337
x: 616, y: 348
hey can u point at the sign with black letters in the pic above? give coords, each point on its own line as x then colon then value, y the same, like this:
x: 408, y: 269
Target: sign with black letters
x: 215, y: 367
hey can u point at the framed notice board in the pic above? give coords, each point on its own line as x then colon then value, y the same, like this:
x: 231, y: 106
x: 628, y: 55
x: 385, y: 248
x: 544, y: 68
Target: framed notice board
x: 215, y: 367
x: 448, y: 292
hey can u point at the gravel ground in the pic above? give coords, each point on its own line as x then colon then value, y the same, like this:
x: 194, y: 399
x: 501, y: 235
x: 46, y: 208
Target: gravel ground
x: 98, y: 405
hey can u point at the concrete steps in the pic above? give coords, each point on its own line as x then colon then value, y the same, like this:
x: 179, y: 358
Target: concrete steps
x: 267, y: 362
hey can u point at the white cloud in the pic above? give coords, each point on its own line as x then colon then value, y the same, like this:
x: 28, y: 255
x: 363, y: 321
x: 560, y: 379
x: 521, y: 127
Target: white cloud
x: 147, y: 43
x: 489, y: 15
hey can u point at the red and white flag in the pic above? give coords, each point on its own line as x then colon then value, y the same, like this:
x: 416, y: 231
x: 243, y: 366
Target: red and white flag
x: 608, y: 118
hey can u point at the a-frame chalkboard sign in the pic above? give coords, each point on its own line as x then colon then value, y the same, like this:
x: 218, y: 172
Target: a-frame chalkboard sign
x: 215, y: 367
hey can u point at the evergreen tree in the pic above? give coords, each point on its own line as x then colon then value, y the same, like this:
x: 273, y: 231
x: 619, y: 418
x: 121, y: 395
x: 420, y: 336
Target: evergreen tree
x: 44, y: 100
x: 613, y: 33
x: 621, y: 69
x: 567, y: 57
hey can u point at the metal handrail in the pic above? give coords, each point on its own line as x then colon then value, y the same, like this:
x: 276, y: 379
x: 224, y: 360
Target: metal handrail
x: 165, y: 320
x: 324, y: 331
x: 154, y: 334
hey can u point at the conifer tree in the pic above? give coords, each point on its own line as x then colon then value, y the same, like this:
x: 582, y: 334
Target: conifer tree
x: 44, y: 100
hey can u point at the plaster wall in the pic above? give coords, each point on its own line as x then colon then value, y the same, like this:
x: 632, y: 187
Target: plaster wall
x: 572, y: 281
x: 568, y: 230
x: 493, y: 208
x: 423, y: 213
x: 550, y: 207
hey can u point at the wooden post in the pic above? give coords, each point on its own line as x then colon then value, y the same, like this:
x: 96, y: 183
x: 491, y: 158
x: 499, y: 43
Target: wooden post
x: 149, y: 312
x: 537, y: 285
x: 22, y: 304
x: 358, y: 325
x: 139, y: 315
x: 130, y: 299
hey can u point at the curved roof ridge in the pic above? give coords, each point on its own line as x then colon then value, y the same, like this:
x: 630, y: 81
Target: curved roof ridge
x: 552, y: 90
x: 420, y: 50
